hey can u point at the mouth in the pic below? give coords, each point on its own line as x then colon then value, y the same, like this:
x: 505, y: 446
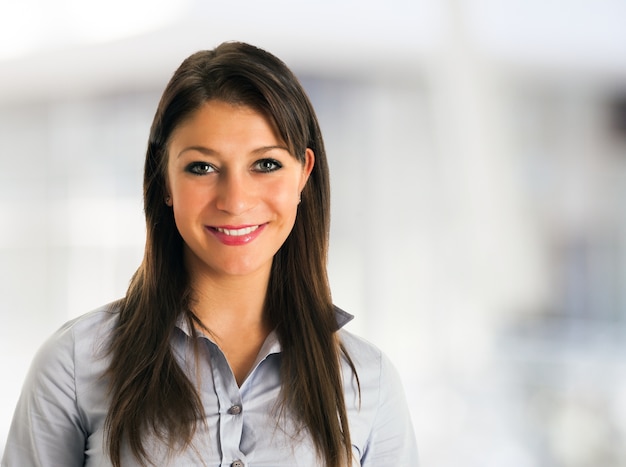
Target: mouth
x: 236, y: 232
x: 237, y: 235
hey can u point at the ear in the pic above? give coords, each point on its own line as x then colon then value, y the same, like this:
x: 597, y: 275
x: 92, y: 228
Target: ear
x: 168, y: 192
x: 307, y: 167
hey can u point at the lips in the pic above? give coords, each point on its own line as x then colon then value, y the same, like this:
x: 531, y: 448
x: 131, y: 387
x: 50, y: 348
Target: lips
x: 237, y: 232
x: 236, y: 235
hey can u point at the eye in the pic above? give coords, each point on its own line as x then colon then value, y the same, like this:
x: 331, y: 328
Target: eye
x: 200, y: 168
x: 267, y: 165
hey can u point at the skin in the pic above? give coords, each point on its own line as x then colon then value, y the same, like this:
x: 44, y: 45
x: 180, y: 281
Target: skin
x: 227, y: 168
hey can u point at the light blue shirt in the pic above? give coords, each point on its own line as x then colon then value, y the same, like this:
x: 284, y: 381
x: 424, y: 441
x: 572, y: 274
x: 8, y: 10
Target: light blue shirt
x: 60, y: 415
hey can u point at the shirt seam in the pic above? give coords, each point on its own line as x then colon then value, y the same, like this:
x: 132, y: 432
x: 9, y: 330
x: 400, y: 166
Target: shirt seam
x: 379, y: 398
x: 75, y: 388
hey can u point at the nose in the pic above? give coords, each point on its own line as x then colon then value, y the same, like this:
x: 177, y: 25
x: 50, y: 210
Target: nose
x: 235, y: 194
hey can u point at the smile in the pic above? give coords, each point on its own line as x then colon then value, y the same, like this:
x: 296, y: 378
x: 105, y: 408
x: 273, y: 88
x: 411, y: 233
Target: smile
x: 237, y: 232
x: 235, y: 236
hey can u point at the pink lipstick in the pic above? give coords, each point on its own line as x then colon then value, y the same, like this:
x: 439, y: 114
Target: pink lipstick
x: 236, y: 235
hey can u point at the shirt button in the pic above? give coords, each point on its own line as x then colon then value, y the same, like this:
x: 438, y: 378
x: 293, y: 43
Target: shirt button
x: 237, y: 463
x: 235, y: 410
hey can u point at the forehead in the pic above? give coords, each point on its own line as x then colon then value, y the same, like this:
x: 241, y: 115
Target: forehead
x: 219, y: 127
x: 214, y: 116
x: 219, y: 118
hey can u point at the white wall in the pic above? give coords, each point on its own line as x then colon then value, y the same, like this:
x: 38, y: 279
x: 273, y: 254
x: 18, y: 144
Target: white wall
x: 477, y: 228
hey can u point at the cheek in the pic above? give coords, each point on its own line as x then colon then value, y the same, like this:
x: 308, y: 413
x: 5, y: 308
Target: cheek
x: 188, y: 200
x: 283, y: 197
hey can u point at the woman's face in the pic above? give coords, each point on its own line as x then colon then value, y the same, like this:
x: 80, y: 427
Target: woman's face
x: 234, y: 188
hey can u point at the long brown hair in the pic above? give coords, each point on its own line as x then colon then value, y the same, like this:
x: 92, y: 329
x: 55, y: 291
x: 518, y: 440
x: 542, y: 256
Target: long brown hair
x: 150, y: 394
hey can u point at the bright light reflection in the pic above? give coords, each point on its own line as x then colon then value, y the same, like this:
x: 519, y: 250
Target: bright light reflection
x: 30, y: 25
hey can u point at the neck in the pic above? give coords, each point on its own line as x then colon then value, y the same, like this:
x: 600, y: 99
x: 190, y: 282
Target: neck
x: 231, y: 310
x: 227, y: 303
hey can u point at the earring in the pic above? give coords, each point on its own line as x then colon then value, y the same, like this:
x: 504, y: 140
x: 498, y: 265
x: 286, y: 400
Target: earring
x: 168, y: 200
x: 299, y: 198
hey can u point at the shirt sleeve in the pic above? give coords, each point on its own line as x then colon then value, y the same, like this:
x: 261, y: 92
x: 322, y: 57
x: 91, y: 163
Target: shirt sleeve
x: 392, y: 441
x: 46, y: 429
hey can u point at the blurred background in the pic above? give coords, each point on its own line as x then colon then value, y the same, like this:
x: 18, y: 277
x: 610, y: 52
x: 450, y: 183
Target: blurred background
x: 478, y: 160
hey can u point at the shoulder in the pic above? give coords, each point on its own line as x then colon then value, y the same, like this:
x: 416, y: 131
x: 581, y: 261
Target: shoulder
x: 58, y: 395
x: 373, y: 367
x: 378, y: 377
x: 67, y: 369
x: 380, y: 423
x: 375, y: 370
x: 93, y: 327
x: 95, y: 321
x: 80, y: 338
x: 362, y: 352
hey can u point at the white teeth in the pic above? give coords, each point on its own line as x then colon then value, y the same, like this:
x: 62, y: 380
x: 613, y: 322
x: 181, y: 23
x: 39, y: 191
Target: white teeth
x: 237, y: 232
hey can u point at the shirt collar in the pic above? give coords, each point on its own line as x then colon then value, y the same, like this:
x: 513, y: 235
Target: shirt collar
x: 342, y: 317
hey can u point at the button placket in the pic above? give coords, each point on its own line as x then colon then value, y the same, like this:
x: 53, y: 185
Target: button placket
x: 229, y: 399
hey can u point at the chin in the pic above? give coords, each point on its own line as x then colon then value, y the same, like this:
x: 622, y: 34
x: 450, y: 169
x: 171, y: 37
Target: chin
x: 239, y: 269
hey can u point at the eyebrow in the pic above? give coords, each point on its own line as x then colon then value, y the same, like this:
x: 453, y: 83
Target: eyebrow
x: 210, y: 152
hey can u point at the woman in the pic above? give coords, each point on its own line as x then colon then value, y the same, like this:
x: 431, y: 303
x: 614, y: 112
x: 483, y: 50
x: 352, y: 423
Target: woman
x: 226, y: 349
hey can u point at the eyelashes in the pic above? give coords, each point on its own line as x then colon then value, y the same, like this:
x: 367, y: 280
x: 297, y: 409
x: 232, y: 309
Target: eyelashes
x: 205, y: 168
x: 267, y: 165
x: 200, y: 168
